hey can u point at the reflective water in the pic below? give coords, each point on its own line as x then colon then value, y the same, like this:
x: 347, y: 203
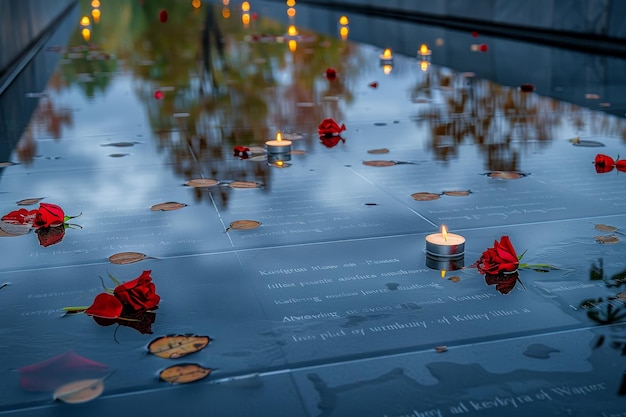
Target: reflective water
x: 330, y: 305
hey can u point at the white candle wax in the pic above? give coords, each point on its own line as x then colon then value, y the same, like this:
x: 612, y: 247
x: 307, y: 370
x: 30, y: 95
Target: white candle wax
x: 279, y: 145
x: 450, y: 245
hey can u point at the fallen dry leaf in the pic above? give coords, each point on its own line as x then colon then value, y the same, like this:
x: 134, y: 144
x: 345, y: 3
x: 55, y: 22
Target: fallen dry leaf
x: 606, y: 239
x: 243, y: 225
x: 177, y: 346
x: 378, y: 151
x: 202, y: 182
x: 29, y: 201
x: 169, y: 206
x: 379, y: 163
x: 184, y: 374
x: 124, y: 258
x: 243, y: 184
x: 423, y: 196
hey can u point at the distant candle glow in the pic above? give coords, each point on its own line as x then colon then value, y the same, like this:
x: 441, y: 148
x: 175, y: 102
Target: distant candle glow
x: 343, y: 33
x: 196, y: 4
x: 95, y: 13
x: 291, y: 12
x: 85, y: 21
x: 293, y: 45
x: 424, y: 50
x: 245, y: 6
x: 291, y: 3
x: 86, y: 34
x: 343, y: 20
x: 386, y: 54
x: 95, y: 4
x: 226, y: 13
x: 225, y: 2
x: 292, y: 31
x: 245, y: 19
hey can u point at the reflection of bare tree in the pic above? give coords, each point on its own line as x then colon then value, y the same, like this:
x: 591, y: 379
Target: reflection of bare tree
x: 501, y: 120
x: 48, y: 118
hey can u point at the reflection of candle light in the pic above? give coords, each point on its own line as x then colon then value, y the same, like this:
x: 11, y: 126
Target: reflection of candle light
x: 95, y: 13
x: 343, y: 20
x: 245, y: 19
x: 445, y: 244
x: 343, y: 33
x: 279, y: 145
x: 86, y: 34
x: 95, y: 4
x: 196, y: 4
x: 225, y: 12
x: 85, y: 21
x: 293, y: 45
x: 225, y: 2
x: 443, y: 273
x: 424, y: 65
x: 424, y: 51
x: 245, y: 6
x: 291, y: 12
x: 387, y: 68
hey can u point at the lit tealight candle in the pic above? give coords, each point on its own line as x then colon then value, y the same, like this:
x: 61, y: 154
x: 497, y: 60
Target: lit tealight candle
x: 279, y: 145
x: 386, y: 56
x: 445, y: 244
x: 424, y: 51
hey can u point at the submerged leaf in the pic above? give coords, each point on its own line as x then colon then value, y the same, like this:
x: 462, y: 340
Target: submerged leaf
x: 184, y: 374
x: 461, y: 193
x: 121, y: 144
x: 379, y: 163
x: 605, y: 228
x: 124, y: 258
x: 243, y: 184
x: 177, y: 346
x: 423, y: 196
x: 506, y: 175
x: 606, y: 239
x: 378, y: 151
x: 79, y: 391
x: 202, y: 182
x: 243, y: 225
x: 29, y: 201
x: 169, y: 206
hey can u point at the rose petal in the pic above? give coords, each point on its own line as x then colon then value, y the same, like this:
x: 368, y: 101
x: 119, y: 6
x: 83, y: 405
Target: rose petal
x: 106, y: 306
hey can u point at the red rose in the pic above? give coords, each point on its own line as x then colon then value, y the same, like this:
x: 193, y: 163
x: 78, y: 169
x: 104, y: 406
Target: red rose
x: 329, y: 127
x: 50, y: 235
x: 500, y: 258
x: 331, y: 74
x: 21, y: 216
x: 621, y: 165
x: 140, y: 293
x: 49, y: 215
x: 106, y: 306
x: 603, y: 163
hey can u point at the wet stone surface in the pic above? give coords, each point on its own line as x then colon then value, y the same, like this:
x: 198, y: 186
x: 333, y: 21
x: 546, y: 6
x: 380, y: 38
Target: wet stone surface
x: 309, y: 274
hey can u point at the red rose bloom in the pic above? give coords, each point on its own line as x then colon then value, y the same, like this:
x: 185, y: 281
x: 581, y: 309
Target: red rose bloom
x: 49, y: 215
x: 127, y: 299
x: 139, y: 293
x: 329, y: 127
x: 331, y: 74
x: 500, y: 258
x: 603, y: 163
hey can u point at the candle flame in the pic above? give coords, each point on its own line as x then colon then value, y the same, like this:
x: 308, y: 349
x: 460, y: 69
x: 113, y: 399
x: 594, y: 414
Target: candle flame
x: 444, y: 233
x: 424, y: 49
x: 387, y: 54
x: 279, y: 163
x: 279, y: 137
x: 443, y: 273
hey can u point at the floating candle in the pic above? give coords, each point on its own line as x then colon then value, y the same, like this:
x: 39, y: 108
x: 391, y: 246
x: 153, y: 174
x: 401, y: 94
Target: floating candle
x: 279, y: 145
x: 445, y: 244
x: 387, y: 55
x: 424, y: 51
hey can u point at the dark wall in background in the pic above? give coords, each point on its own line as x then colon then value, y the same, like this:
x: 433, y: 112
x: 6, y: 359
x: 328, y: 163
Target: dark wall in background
x: 22, y: 22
